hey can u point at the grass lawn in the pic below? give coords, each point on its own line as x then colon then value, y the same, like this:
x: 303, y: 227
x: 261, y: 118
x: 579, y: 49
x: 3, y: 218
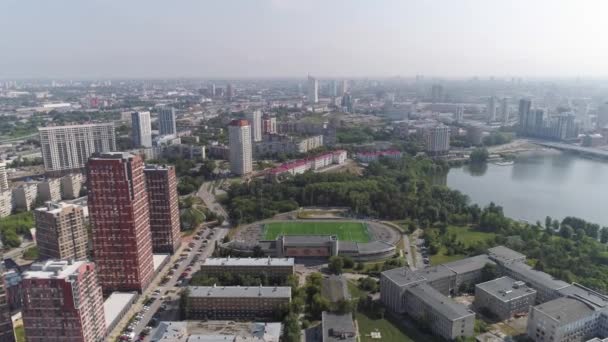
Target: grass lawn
x: 345, y: 231
x: 469, y: 236
x: 465, y: 235
x: 441, y: 258
x: 388, y: 331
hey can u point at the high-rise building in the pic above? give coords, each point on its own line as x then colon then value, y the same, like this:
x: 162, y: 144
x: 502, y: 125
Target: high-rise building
x: 524, y: 113
x: 333, y: 88
x: 50, y: 190
x: 313, y: 90
x: 62, y: 301
x: 141, y: 129
x: 347, y: 103
x: 436, y: 93
x: 344, y: 88
x: 6, y: 203
x: 239, y: 136
x: 24, y: 196
x: 229, y: 91
x: 61, y: 231
x: 437, y: 139
x: 602, y: 116
x: 211, y: 90
x: 504, y: 110
x: 459, y: 115
x: 69, y: 147
x: 491, y: 109
x: 3, y: 177
x: 71, y: 184
x: 119, y: 214
x: 255, y: 121
x: 161, y: 185
x: 269, y: 124
x: 166, y: 121
x: 6, y: 324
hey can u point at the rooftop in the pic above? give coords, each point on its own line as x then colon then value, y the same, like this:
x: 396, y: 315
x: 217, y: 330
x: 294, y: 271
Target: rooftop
x: 469, y: 264
x: 115, y: 304
x: 304, y: 239
x: 53, y: 269
x: 565, y: 310
x: 537, y: 276
x: 504, y: 254
x: 220, y: 331
x: 47, y: 128
x: 240, y: 291
x: 338, y: 327
x: 112, y: 155
x: 248, y: 262
x: 447, y: 307
x: 506, y: 289
x: 55, y: 207
x: 586, y: 295
x: 335, y: 288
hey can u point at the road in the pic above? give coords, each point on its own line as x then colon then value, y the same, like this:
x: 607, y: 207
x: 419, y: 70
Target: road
x: 171, y: 284
x: 204, y: 193
x: 408, y: 251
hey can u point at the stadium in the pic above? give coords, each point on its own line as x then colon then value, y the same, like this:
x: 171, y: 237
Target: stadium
x: 290, y: 236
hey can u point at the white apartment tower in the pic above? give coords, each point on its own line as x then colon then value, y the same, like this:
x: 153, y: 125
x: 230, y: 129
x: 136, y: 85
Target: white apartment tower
x: 255, y: 121
x: 491, y: 109
x: 166, y: 121
x: 437, y: 139
x: 239, y: 135
x: 69, y: 147
x: 504, y: 110
x: 3, y: 177
x: 313, y: 90
x: 142, y: 129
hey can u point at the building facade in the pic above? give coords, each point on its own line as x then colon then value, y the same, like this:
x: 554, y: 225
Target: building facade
x: 239, y: 136
x: 166, y: 121
x: 3, y: 177
x: 255, y: 122
x: 24, y: 196
x: 62, y: 301
x: 119, y: 214
x: 236, y: 302
x: 6, y: 203
x: 6, y: 323
x: 71, y: 184
x: 67, y: 148
x: 504, y: 297
x: 141, y: 129
x: 273, y: 268
x: 437, y: 139
x: 61, y: 231
x: 50, y: 190
x: 161, y: 185
x: 313, y: 90
x: 269, y: 124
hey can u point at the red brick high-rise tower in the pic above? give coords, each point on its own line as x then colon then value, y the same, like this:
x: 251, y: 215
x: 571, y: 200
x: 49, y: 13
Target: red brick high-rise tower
x: 119, y: 214
x: 161, y: 184
x: 62, y: 301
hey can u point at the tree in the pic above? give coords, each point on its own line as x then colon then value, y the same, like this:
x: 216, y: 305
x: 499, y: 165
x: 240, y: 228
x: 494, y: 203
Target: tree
x: 479, y: 155
x: 604, y: 235
x: 184, y: 304
x: 344, y: 306
x: 548, y: 221
x: 336, y: 264
x: 348, y: 262
x: 368, y: 284
x: 191, y: 218
x: 566, y: 231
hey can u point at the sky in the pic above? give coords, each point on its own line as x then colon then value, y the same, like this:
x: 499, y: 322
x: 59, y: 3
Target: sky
x: 293, y: 38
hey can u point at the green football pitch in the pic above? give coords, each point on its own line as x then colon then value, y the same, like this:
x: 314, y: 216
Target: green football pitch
x: 345, y: 231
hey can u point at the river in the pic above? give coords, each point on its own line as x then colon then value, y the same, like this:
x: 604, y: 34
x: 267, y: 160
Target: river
x: 538, y: 184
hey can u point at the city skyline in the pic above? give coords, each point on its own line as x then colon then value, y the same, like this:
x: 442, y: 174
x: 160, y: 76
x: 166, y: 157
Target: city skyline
x: 448, y: 39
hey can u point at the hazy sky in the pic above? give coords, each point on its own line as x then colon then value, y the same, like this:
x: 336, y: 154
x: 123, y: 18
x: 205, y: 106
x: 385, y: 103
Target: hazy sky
x: 276, y: 38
